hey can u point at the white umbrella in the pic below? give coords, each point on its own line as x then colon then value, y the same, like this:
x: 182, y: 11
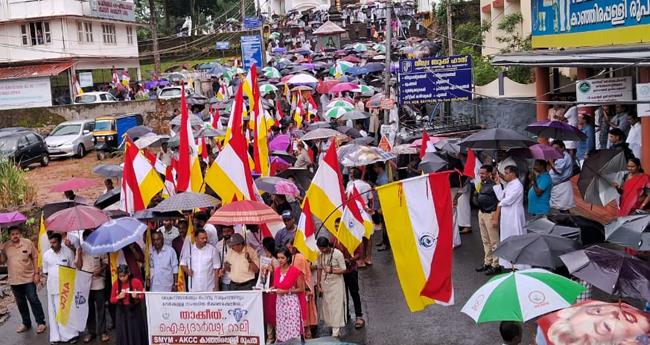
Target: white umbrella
x: 302, y: 79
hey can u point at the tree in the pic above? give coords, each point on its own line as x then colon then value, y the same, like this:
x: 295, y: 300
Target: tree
x: 513, y: 42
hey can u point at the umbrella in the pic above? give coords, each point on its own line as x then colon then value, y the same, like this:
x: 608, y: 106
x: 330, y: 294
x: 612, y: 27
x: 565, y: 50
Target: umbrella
x: 364, y: 89
x: 113, y: 235
x: 363, y: 141
x: 404, y: 149
x: 108, y: 199
x: 210, y: 133
x: 186, y: 201
x: 280, y: 143
x: 284, y: 155
x: 627, y: 231
x: 336, y: 112
x: 543, y: 225
x: 343, y: 87
x: 75, y: 183
x: 496, y: 139
x: 150, y: 214
x: 266, y: 88
x: 351, y: 58
x: 196, y: 99
x: 302, y: 79
x: 138, y: 131
x: 545, y: 152
x: 114, y: 214
x: 150, y: 139
x: 357, y: 70
x: 195, y: 121
x: 355, y: 115
x: 75, y: 218
x: 321, y: 133
x: 556, y: 130
x: 355, y: 155
x: 271, y: 73
x: 375, y: 100
x: 432, y: 162
x: 108, y: 170
x: 53, y: 207
x: 535, y: 249
x: 599, y: 171
x: 302, y: 88
x: 612, y: 271
x: 244, y: 212
x: 521, y: 296
x: 349, y: 131
x: 277, y: 185
x: 11, y: 218
x: 324, y: 86
x: 449, y: 146
x: 301, y: 176
x: 319, y: 124
x: 591, y: 231
x: 340, y: 68
x: 339, y: 103
x: 375, y: 67
x: 360, y: 47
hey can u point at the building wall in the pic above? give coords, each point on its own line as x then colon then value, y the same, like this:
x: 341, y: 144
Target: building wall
x: 281, y: 7
x: 502, y: 113
x: 492, y: 12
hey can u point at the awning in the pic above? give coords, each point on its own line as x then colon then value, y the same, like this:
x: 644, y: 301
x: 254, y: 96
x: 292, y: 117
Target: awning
x: 632, y: 55
x: 33, y: 71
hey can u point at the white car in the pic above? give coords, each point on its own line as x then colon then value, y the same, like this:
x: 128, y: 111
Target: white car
x: 71, y: 138
x: 172, y: 92
x: 94, y: 97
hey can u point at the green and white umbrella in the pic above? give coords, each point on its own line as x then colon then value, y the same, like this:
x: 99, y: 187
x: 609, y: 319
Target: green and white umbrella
x: 360, y: 47
x: 227, y: 75
x: 266, y: 88
x: 339, y: 103
x: 521, y: 296
x: 274, y: 35
x: 336, y: 112
x: 271, y: 73
x: 340, y: 68
x: 379, y: 48
x: 237, y: 70
x: 365, y: 90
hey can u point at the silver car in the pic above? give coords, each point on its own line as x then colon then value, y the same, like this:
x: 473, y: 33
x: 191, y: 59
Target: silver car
x: 71, y: 138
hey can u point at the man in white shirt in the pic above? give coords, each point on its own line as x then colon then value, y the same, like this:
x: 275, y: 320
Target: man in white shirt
x: 169, y: 231
x: 163, y: 264
x: 54, y: 257
x: 512, y: 215
x: 201, y: 264
x: 634, y: 136
x: 571, y: 116
x: 95, y: 264
x: 362, y: 186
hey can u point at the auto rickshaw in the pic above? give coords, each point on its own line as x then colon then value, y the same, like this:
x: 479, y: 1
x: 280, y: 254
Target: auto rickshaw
x: 109, y: 132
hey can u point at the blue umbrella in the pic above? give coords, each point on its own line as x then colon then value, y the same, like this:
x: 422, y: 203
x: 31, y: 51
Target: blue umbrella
x: 113, y: 236
x: 357, y: 70
x: 374, y: 67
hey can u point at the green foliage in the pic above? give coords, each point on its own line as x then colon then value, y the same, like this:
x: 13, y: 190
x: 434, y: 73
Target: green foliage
x: 15, y: 190
x: 514, y: 42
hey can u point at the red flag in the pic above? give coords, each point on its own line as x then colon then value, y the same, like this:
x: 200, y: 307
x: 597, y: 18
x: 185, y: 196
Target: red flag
x: 239, y: 143
x: 129, y: 179
x: 184, y: 160
x: 469, y: 169
x: 216, y: 122
x: 425, y: 143
x: 311, y: 154
x: 278, y: 108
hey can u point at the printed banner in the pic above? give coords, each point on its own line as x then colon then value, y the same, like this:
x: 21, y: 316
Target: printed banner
x: 435, y: 79
x: 74, y: 288
x: 604, y: 90
x: 643, y: 94
x: 251, y: 51
x: 234, y: 318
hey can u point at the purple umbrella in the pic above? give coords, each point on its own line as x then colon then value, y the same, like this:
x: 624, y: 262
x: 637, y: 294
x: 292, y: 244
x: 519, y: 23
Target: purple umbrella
x: 556, y: 130
x: 544, y: 152
x: 11, y: 218
x: 280, y: 143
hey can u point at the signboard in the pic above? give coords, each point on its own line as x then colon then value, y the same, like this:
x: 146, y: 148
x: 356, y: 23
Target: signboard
x: 643, y: 94
x: 252, y: 23
x: 223, y: 45
x: 604, y: 90
x: 25, y: 93
x: 85, y: 79
x: 581, y: 23
x: 435, y: 79
x: 387, y: 103
x: 251, y: 51
x: 206, y: 318
x: 113, y: 9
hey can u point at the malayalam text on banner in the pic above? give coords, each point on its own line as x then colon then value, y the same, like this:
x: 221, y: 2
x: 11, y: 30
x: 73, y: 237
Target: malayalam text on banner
x: 233, y: 318
x: 435, y: 79
x: 604, y: 90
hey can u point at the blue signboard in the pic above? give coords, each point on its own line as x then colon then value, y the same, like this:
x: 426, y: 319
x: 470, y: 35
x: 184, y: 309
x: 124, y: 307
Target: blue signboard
x: 435, y: 79
x: 252, y: 23
x: 579, y: 23
x: 251, y: 51
x: 223, y: 45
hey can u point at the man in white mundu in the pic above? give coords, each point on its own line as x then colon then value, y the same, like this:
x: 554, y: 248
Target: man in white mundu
x: 201, y: 264
x: 510, y: 208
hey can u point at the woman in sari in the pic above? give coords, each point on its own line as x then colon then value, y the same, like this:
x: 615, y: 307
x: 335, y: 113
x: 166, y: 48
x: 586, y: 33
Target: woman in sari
x: 290, y: 302
x: 331, y: 267
x: 129, y: 319
x: 635, y: 193
x: 300, y: 262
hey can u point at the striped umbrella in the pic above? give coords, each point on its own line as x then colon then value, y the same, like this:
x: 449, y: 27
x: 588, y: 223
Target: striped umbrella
x: 339, y: 103
x: 271, y: 72
x: 364, y: 89
x: 360, y: 47
x: 341, y: 67
x: 521, y: 296
x: 244, y: 212
x: 336, y: 112
x: 266, y: 88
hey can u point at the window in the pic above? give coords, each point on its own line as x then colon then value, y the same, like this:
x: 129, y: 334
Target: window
x: 36, y: 33
x: 85, y: 32
x: 129, y: 35
x: 108, y: 30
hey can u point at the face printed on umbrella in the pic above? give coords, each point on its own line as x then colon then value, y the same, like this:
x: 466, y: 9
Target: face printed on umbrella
x: 597, y: 322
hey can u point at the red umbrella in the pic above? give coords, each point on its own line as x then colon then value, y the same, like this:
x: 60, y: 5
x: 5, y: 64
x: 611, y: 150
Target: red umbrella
x: 351, y: 58
x: 244, y: 212
x: 74, y: 183
x: 342, y: 87
x: 325, y: 86
x: 80, y: 217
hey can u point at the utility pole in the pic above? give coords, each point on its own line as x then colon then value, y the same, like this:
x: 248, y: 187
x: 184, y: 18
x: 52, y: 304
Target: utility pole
x: 389, y: 38
x: 450, y: 29
x: 243, y: 12
x: 154, y: 36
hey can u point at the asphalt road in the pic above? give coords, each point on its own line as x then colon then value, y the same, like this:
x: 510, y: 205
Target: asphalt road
x: 388, y: 318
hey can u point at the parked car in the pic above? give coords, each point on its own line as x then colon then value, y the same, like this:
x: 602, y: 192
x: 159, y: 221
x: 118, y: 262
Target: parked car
x: 24, y: 147
x: 94, y: 97
x: 71, y: 138
x: 109, y: 132
x: 172, y: 92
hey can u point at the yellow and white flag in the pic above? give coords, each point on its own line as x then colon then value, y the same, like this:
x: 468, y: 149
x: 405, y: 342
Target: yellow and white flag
x: 355, y: 223
x: 74, y: 288
x: 418, y: 216
x: 43, y: 242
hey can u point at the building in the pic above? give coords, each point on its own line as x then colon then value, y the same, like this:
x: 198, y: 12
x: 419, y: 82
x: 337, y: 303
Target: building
x: 282, y: 7
x: 493, y: 12
x: 48, y: 44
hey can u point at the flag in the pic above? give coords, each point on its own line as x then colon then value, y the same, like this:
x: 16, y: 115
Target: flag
x: 125, y: 78
x: 297, y: 112
x: 188, y: 172
x: 236, y: 119
x: 418, y: 216
x: 140, y: 181
x: 305, y: 238
x: 189, y: 240
x: 77, y: 88
x: 472, y: 168
x: 355, y: 223
x: 425, y: 144
x: 203, y: 149
x: 43, y: 242
x: 115, y: 259
x: 216, y: 121
x: 74, y: 290
x: 170, y: 182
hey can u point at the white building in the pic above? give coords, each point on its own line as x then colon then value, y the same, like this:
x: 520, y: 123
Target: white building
x: 282, y: 7
x: 493, y: 11
x: 49, y: 41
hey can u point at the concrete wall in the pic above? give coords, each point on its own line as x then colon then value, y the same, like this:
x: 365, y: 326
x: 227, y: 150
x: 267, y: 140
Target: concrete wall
x: 500, y: 113
x: 157, y: 113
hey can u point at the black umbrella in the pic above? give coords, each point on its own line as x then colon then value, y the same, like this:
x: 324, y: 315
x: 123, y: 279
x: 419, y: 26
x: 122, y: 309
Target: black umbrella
x: 284, y: 155
x: 108, y: 170
x: 432, y: 162
x: 627, y: 231
x: 591, y: 231
x: 114, y: 214
x: 598, y: 173
x: 496, y: 139
x: 197, y: 100
x: 319, y: 124
x: 543, y: 225
x: 150, y: 214
x: 535, y: 249
x: 349, y: 131
x: 138, y: 131
x: 107, y: 199
x: 612, y: 271
x: 54, y: 207
x: 301, y: 176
